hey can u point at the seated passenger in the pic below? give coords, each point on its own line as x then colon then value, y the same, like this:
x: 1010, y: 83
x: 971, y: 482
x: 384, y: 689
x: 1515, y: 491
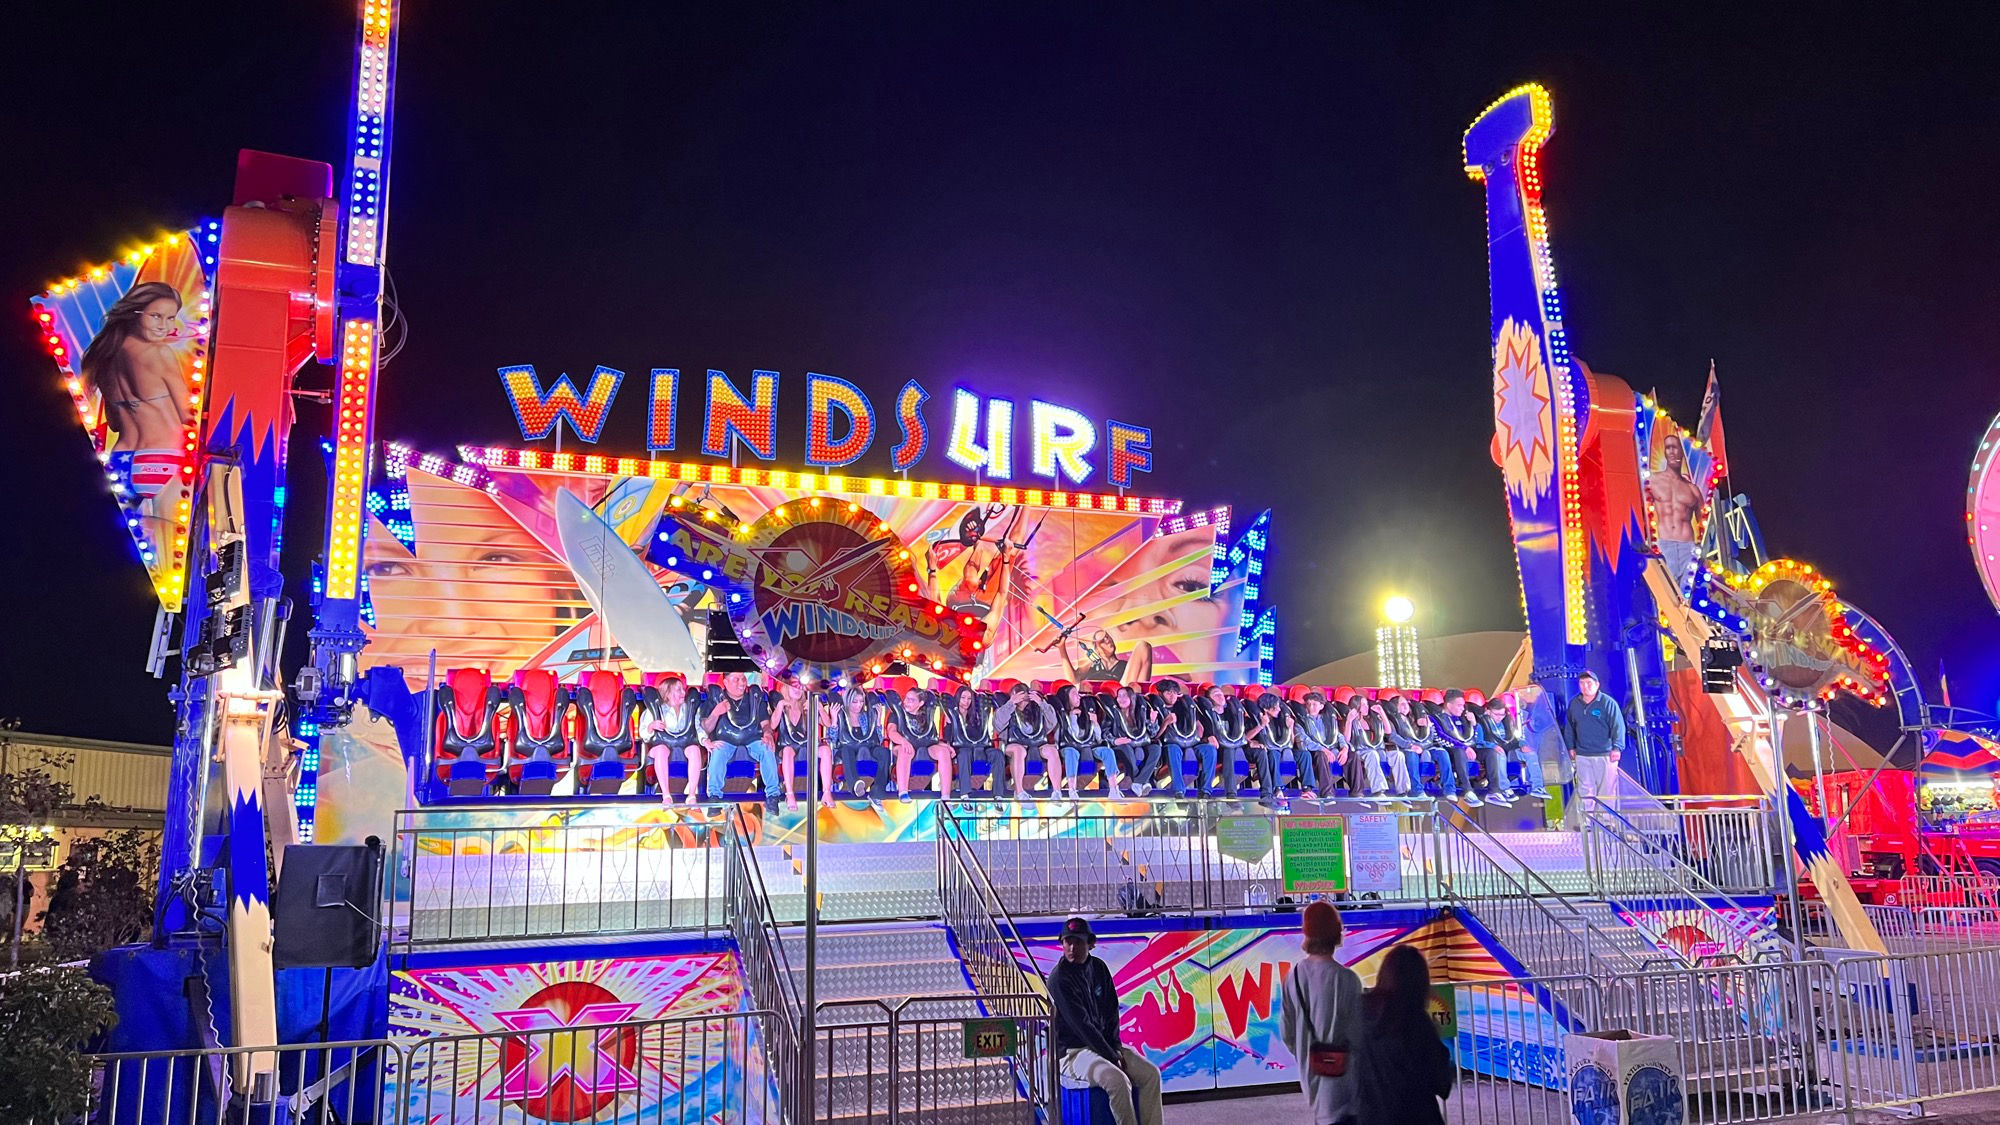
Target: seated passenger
x: 1403, y: 738
x: 1082, y: 737
x: 1027, y: 723
x: 855, y: 734
x: 1504, y: 729
x: 913, y: 727
x: 1274, y: 738
x: 1228, y: 726
x: 967, y: 724
x: 1386, y: 769
x: 672, y: 725
x: 1134, y: 733
x: 736, y: 723
x: 790, y: 729
x: 1457, y: 735
x: 1450, y: 767
x: 1182, y: 729
x: 1321, y: 737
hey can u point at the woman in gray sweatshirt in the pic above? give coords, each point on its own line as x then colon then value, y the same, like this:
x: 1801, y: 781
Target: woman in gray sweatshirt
x: 1320, y: 1006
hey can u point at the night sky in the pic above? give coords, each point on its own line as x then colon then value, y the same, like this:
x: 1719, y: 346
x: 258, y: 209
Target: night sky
x: 1245, y: 226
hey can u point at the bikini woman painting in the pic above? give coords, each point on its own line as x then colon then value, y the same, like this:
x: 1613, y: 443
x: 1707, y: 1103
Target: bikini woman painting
x: 134, y: 365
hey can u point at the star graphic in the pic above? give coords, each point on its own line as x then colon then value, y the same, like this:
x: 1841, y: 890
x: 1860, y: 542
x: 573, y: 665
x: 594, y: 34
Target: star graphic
x: 1523, y: 413
x: 534, y: 1076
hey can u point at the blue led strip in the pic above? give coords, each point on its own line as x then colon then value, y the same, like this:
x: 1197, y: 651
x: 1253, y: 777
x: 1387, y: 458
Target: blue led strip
x: 305, y: 798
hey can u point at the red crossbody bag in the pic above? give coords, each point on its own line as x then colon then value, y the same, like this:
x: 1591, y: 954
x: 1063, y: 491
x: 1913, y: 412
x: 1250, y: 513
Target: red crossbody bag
x: 1325, y: 1060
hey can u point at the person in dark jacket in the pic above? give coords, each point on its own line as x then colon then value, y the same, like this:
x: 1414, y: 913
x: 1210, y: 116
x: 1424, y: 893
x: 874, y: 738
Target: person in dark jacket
x: 1085, y: 999
x: 1401, y: 1068
x: 1594, y: 732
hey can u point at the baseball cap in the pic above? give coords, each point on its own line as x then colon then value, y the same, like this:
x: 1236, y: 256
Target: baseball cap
x: 1079, y: 927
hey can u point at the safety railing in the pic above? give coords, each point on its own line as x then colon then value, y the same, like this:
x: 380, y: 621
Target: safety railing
x: 1537, y: 925
x: 1954, y: 890
x: 1512, y: 1066
x: 999, y: 961
x: 1745, y: 1034
x: 1761, y: 1042
x: 1725, y: 840
x: 528, y: 872
x: 932, y: 1058
x: 1910, y: 930
x: 760, y: 950
x: 1163, y: 861
x: 1674, y: 905
x: 690, y: 1069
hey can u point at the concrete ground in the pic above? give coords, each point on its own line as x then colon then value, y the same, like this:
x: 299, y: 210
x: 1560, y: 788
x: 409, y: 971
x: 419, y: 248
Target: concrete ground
x: 1289, y: 1109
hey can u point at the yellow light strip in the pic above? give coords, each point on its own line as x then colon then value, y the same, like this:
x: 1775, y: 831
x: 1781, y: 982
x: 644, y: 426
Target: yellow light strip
x: 590, y: 464
x: 350, y: 458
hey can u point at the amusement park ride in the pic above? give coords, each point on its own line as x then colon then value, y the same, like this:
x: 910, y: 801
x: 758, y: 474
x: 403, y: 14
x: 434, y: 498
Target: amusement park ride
x: 1620, y: 573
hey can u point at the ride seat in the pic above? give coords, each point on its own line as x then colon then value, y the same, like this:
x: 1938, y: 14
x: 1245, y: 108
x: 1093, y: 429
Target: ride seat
x: 538, y: 742
x: 607, y: 750
x: 464, y: 738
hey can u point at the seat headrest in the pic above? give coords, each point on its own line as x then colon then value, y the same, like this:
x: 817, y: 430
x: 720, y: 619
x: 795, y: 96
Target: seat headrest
x: 469, y: 682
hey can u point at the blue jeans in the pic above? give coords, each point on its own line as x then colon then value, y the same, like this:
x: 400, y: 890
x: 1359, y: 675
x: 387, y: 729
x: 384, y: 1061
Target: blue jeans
x: 1531, y: 768
x: 1177, y: 765
x: 1441, y: 757
x: 759, y: 751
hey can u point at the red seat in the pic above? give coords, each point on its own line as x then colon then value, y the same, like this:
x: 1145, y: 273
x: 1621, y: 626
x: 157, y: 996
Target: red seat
x: 539, y: 732
x: 464, y: 731
x: 607, y: 750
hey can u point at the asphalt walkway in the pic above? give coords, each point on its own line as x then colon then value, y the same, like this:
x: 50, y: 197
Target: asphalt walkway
x: 1290, y: 1109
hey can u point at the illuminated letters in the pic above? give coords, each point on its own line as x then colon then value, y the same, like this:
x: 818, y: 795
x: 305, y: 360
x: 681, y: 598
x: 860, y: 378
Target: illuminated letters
x: 996, y: 457
x: 731, y: 417
x: 1131, y: 450
x: 1063, y: 441
x: 916, y: 431
x: 539, y: 414
x: 661, y: 407
x: 825, y: 395
x: 1062, y: 438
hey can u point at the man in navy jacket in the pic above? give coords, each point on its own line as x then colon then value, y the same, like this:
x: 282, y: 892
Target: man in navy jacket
x: 1594, y: 734
x: 1085, y: 999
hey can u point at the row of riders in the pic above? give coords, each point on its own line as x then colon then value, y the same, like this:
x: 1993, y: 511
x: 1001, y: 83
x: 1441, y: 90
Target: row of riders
x: 1383, y: 746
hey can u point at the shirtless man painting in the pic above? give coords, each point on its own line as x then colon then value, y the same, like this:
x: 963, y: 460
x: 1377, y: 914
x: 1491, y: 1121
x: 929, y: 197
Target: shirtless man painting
x: 1675, y: 500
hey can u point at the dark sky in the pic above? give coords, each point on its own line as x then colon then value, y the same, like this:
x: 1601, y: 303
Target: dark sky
x: 1243, y: 225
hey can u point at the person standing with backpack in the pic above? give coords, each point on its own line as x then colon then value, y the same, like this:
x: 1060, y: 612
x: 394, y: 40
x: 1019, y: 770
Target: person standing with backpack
x: 1402, y: 1068
x: 1319, y: 1015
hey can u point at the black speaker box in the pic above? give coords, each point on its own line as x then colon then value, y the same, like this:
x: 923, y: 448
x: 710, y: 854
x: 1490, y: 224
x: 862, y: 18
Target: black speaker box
x: 327, y: 910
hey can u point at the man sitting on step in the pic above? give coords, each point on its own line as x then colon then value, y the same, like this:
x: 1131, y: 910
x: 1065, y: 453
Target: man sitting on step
x: 1085, y: 999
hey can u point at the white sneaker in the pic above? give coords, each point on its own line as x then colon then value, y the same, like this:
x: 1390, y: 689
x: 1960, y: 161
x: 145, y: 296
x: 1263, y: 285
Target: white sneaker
x: 1141, y: 789
x: 1112, y: 792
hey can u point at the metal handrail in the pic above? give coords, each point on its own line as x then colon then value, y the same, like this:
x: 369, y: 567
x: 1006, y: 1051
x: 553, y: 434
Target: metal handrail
x: 1689, y: 889
x: 750, y: 911
x: 1529, y: 888
x: 955, y: 858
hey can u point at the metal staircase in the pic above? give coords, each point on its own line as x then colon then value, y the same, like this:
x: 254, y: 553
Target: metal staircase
x: 889, y: 1030
x: 887, y: 1037
x: 1677, y: 907
x: 1550, y: 934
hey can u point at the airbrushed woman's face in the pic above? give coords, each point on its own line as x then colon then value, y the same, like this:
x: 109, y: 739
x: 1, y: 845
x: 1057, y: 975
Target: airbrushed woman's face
x: 159, y: 319
x: 1171, y: 607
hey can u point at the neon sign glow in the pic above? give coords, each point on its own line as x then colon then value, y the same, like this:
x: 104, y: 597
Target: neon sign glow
x: 1064, y: 444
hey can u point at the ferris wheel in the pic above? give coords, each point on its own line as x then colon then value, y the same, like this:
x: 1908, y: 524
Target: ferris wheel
x: 1982, y: 510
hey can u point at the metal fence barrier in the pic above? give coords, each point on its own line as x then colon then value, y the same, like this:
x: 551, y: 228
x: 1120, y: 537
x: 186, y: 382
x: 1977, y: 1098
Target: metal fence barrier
x: 538, y: 873
x: 1160, y: 862
x: 911, y: 1060
x: 760, y: 951
x: 689, y: 1069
